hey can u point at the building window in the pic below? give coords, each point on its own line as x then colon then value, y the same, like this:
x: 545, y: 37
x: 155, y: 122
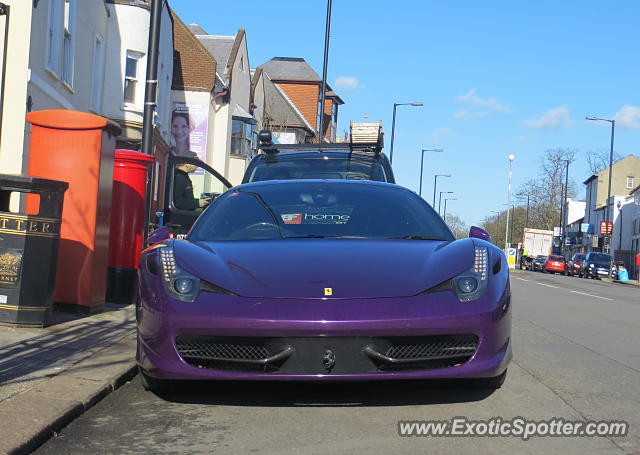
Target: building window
x: 68, y: 43
x: 241, y: 133
x: 241, y: 64
x: 630, y: 181
x: 131, y: 76
x: 97, y: 76
x: 54, y: 36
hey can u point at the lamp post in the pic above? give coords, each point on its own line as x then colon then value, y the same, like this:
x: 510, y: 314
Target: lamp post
x: 506, y: 234
x: 422, y: 165
x: 613, y: 126
x: 444, y: 216
x: 324, y: 74
x: 435, y: 182
x: 393, y: 123
x: 440, y: 199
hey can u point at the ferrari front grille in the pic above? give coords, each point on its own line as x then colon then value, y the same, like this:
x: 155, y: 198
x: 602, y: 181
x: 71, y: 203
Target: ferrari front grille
x: 230, y: 354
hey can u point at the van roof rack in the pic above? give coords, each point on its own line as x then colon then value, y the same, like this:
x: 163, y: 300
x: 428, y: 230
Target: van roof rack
x: 364, y: 138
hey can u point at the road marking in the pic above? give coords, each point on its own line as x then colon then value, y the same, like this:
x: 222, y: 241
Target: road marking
x: 575, y: 292
x: 591, y: 295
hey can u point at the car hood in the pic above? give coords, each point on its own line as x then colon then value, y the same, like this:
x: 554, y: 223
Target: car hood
x: 303, y: 268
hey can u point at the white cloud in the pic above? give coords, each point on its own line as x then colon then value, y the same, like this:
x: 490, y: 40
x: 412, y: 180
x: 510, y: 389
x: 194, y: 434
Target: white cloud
x: 439, y: 133
x: 346, y: 83
x: 628, y: 117
x: 461, y: 114
x: 489, y: 105
x: 553, y: 119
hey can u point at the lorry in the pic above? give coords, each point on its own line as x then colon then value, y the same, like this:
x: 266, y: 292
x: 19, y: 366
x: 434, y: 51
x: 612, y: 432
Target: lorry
x: 535, y: 242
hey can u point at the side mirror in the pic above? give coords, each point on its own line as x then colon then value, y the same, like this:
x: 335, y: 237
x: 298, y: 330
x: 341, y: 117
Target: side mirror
x: 158, y: 235
x: 480, y: 233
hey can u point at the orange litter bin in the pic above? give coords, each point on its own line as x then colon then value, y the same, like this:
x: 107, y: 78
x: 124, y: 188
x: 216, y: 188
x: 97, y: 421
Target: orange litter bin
x: 78, y: 148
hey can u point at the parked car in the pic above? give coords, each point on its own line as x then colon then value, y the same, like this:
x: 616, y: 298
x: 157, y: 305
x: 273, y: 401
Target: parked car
x: 537, y: 265
x: 555, y: 264
x: 575, y: 263
x: 305, y: 280
x: 596, y: 265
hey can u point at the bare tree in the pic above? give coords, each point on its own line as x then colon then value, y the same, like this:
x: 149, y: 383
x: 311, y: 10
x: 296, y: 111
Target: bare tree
x: 458, y: 226
x: 545, y: 194
x: 599, y: 159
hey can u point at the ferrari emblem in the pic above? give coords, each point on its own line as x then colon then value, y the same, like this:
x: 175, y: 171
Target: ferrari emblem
x: 328, y: 291
x: 328, y: 360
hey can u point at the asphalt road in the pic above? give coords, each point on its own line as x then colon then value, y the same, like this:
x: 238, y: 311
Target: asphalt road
x: 575, y: 356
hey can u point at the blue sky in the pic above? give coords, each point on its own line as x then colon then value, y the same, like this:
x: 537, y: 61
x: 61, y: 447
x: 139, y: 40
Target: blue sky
x: 495, y: 78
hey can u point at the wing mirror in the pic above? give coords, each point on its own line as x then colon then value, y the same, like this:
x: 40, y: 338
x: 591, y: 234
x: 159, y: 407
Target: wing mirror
x: 480, y: 233
x: 158, y: 235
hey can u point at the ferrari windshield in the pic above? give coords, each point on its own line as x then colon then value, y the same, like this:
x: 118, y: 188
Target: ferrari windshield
x: 316, y: 209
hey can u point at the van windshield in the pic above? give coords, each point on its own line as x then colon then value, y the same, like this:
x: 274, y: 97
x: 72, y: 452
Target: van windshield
x: 317, y: 165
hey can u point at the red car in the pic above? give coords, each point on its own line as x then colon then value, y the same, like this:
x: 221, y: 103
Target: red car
x: 575, y: 263
x: 555, y: 264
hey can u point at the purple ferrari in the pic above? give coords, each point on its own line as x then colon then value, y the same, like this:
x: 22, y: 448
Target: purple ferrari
x: 322, y: 280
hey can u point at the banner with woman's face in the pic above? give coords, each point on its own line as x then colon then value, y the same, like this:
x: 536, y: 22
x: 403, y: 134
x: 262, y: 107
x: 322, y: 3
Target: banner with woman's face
x: 189, y: 124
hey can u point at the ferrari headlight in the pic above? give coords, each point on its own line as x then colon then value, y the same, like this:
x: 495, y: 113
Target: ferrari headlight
x: 590, y: 266
x: 472, y: 284
x: 178, y: 283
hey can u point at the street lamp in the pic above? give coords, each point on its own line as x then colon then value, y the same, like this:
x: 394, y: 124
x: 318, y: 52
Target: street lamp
x: 506, y: 234
x: 393, y: 123
x: 435, y: 182
x: 422, y: 165
x: 613, y: 126
x: 444, y: 216
x: 440, y: 199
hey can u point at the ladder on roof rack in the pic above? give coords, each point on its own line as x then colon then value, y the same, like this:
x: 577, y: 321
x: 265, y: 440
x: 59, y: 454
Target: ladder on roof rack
x: 365, y: 138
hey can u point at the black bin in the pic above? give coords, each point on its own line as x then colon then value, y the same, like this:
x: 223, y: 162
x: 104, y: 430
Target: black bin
x: 29, y: 249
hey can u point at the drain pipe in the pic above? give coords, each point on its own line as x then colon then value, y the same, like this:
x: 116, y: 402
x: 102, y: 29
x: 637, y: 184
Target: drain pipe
x: 151, y: 98
x: 4, y: 11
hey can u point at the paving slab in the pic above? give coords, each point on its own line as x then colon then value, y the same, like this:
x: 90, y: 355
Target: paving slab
x: 50, y: 376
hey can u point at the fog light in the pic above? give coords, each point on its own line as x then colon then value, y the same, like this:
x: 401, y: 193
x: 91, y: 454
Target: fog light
x: 467, y: 284
x: 183, y: 285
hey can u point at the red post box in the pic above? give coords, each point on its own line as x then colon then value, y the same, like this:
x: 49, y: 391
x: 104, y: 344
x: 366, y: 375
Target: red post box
x: 78, y: 148
x: 127, y: 223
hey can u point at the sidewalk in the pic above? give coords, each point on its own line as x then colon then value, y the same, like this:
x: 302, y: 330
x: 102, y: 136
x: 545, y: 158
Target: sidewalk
x: 50, y: 376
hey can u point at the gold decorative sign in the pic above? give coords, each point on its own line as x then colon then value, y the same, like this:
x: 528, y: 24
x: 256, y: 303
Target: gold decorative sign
x: 23, y: 225
x: 10, y: 266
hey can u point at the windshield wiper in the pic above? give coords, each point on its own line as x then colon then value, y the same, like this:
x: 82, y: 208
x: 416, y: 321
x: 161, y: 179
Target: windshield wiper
x: 320, y: 236
x: 417, y: 237
x: 308, y: 236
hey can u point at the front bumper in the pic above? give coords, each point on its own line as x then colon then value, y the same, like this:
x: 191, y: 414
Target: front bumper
x: 302, y: 333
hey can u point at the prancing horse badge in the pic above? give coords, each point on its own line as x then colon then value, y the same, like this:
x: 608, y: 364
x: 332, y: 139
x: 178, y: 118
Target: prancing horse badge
x: 328, y: 360
x: 328, y: 291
